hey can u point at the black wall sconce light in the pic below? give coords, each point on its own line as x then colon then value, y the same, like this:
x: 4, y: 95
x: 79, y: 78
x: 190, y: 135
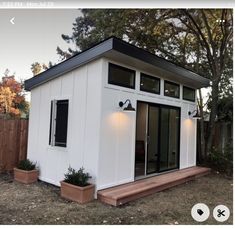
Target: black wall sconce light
x: 128, y: 107
x: 196, y: 116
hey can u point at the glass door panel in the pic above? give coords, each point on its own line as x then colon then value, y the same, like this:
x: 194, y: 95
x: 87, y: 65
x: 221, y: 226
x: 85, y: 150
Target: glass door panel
x: 169, y: 140
x: 164, y: 133
x: 173, y: 150
x: 152, y: 139
x: 141, y: 138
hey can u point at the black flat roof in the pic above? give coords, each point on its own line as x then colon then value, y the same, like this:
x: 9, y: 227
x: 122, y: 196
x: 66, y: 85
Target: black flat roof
x: 120, y: 46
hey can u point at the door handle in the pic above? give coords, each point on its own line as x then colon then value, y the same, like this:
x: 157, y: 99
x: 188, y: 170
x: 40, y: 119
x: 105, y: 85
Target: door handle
x: 148, y: 139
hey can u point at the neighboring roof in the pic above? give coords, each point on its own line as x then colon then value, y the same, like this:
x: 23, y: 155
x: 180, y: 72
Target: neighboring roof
x: 111, y: 47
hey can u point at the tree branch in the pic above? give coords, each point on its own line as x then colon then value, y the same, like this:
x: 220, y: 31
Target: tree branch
x: 209, y: 54
x: 208, y: 31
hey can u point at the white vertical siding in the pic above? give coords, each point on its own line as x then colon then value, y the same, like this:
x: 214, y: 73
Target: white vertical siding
x: 192, y: 136
x: 34, y: 124
x: 185, y: 121
x: 116, y: 163
x: 78, y: 86
x: 117, y: 149
x: 187, y: 136
x: 92, y: 119
x: 101, y: 137
x: 78, y: 115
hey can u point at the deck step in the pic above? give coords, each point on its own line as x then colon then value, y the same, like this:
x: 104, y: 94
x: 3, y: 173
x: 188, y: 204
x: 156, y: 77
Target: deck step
x: 122, y: 194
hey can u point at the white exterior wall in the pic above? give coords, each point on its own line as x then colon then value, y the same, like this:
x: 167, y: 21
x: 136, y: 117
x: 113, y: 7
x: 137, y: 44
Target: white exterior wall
x: 83, y: 89
x: 117, y: 148
x: 101, y: 137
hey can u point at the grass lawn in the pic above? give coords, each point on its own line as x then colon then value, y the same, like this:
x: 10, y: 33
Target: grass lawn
x: 41, y: 203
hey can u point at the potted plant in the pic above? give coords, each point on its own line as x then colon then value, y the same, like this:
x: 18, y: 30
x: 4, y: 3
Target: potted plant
x: 75, y: 186
x: 26, y: 172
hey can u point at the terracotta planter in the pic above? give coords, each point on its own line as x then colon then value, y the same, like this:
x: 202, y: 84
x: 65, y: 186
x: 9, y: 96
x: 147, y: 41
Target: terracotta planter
x: 76, y: 193
x: 26, y: 177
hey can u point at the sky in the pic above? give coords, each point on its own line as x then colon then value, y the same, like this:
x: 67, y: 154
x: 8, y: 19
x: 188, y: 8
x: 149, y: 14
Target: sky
x: 33, y: 38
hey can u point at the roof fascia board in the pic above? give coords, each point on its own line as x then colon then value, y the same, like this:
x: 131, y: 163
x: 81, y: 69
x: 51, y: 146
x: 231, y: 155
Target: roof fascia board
x: 120, y: 46
x: 150, y: 58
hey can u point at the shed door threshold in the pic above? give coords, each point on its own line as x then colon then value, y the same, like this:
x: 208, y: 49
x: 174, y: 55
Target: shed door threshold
x: 155, y: 174
x: 125, y: 193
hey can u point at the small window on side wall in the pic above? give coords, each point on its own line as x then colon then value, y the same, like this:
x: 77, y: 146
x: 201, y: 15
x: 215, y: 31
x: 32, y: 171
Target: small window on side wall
x: 58, y: 123
x: 149, y: 83
x: 188, y: 94
x: 121, y: 76
x: 171, y: 89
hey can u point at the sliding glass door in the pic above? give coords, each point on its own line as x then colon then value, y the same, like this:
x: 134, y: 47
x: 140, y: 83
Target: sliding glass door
x: 152, y: 139
x: 169, y: 140
x: 157, y: 138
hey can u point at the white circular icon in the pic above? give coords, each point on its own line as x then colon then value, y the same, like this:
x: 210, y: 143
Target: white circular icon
x: 200, y: 212
x: 221, y: 213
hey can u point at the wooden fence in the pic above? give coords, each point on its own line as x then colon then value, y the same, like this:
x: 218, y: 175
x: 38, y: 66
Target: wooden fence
x: 13, y: 142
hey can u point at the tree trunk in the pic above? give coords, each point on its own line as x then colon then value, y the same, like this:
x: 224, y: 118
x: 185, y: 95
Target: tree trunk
x: 202, y: 154
x: 214, y: 108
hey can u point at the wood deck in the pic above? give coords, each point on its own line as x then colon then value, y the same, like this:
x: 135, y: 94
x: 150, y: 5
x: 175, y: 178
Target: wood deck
x: 125, y: 193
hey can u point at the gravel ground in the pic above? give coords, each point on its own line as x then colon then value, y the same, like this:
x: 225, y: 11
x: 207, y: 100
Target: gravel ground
x: 40, y: 203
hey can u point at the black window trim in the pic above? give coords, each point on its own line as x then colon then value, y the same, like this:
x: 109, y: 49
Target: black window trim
x: 192, y: 90
x: 123, y: 68
x: 172, y: 83
x: 150, y: 77
x: 52, y: 129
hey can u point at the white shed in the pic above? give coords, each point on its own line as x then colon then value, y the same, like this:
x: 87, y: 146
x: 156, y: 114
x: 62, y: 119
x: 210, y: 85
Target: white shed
x: 76, y: 119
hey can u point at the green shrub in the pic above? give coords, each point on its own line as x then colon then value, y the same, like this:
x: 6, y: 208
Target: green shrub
x: 222, y: 161
x: 26, y: 165
x: 78, y: 178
